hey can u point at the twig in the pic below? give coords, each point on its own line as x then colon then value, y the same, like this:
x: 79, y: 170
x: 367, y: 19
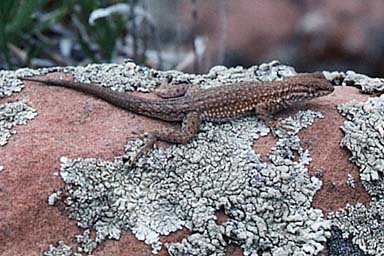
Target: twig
x: 222, y: 31
x: 194, y: 35
x: 133, y: 29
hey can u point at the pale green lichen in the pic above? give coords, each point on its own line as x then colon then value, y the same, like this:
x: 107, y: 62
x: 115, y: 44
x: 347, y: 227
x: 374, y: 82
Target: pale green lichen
x: 268, y: 203
x: 8, y: 83
x: 350, y: 78
x: 12, y: 114
x: 61, y: 249
x: 365, y: 83
x: 364, y: 138
x: 338, y: 245
x: 364, y: 225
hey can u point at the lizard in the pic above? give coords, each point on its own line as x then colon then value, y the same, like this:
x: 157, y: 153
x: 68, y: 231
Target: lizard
x: 190, y: 105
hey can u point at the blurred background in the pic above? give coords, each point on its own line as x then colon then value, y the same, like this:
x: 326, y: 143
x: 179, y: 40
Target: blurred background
x: 194, y: 35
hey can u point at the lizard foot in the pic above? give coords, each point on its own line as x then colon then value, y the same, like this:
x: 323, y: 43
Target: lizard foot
x: 147, y: 142
x: 273, y: 126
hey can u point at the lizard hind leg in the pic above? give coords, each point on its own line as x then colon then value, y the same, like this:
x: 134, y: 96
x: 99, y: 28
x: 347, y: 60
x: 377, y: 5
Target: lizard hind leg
x: 189, y: 127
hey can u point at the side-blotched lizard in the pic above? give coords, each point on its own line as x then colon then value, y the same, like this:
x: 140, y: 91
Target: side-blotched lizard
x: 190, y: 105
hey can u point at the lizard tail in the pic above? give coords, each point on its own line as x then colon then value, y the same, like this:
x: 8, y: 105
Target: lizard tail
x: 61, y: 83
x: 107, y: 94
x: 89, y: 88
x: 132, y: 103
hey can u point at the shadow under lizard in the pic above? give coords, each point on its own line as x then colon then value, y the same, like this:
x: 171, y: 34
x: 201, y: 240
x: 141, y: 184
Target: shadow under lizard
x: 191, y: 105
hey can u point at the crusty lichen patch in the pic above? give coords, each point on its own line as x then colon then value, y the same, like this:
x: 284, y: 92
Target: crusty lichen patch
x: 365, y: 83
x: 364, y: 138
x: 268, y: 204
x: 364, y: 225
x: 60, y: 250
x: 8, y: 83
x: 12, y: 114
x: 341, y: 246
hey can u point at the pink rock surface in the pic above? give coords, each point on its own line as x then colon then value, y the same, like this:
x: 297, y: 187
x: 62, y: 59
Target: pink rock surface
x: 73, y: 124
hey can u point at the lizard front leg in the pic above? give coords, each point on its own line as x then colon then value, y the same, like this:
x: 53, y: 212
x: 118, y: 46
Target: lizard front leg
x: 268, y: 119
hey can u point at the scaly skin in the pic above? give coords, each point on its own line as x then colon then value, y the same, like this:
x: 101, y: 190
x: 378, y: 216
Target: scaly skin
x: 190, y: 105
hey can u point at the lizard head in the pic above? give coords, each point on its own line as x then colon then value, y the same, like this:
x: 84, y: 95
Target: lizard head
x: 319, y: 84
x: 308, y: 86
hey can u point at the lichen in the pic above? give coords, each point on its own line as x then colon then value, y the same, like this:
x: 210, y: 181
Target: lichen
x: 341, y: 246
x: 54, y: 197
x: 351, y: 181
x: 61, y: 249
x: 364, y: 225
x: 131, y: 77
x: 12, y: 114
x: 364, y: 138
x: 365, y: 83
x: 8, y: 83
x: 267, y: 203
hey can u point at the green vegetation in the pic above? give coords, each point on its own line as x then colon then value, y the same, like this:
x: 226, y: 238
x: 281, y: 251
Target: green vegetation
x: 44, y: 32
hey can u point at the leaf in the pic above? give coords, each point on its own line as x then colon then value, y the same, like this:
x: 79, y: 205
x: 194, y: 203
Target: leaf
x: 22, y: 18
x: 49, y: 19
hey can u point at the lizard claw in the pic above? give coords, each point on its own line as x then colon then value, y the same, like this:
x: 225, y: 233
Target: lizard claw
x: 148, y: 144
x: 273, y: 131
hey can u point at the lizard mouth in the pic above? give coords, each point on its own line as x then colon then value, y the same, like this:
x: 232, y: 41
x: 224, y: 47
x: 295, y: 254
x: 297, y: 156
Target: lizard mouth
x: 312, y: 95
x: 325, y: 92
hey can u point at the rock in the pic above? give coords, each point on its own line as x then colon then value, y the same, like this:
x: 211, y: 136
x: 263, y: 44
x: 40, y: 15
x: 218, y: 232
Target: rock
x: 164, y: 199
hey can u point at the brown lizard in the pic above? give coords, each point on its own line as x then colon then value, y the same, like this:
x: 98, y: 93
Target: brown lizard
x: 191, y: 105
